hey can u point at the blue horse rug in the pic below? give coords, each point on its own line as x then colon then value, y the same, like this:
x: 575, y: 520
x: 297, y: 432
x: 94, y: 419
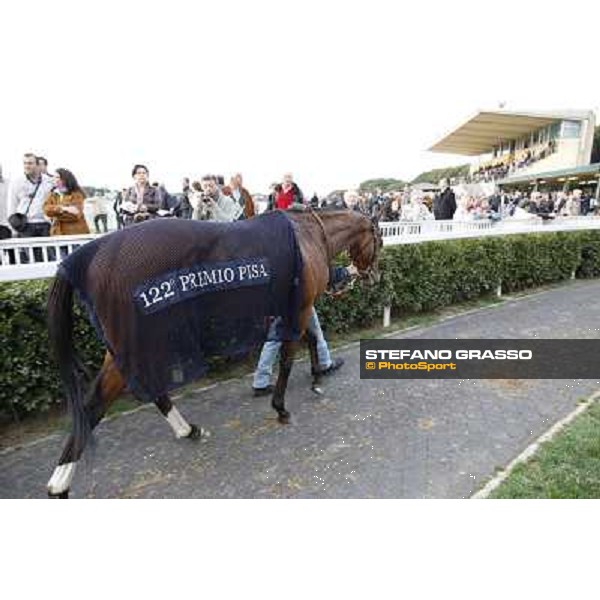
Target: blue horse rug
x: 169, y: 296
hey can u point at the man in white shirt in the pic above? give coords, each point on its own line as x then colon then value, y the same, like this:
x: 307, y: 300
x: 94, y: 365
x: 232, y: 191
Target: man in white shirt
x: 99, y: 205
x: 27, y: 197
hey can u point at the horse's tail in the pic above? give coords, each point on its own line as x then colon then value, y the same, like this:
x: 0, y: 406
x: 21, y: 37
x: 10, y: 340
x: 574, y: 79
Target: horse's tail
x: 60, y: 329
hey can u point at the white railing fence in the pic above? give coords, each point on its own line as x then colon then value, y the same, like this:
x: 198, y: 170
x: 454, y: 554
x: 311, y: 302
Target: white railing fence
x: 38, y: 258
x: 409, y: 232
x: 406, y: 232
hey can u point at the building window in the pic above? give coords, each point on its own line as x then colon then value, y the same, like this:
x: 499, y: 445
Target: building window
x: 554, y: 131
x: 571, y: 129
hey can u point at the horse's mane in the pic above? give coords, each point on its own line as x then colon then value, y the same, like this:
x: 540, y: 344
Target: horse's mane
x: 331, y: 209
x: 326, y: 211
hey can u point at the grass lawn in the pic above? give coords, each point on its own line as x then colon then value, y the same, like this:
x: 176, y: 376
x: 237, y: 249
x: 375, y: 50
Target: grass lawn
x: 568, y: 466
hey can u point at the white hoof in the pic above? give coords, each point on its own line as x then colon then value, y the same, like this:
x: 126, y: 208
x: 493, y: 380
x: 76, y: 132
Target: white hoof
x: 179, y: 425
x: 60, y: 482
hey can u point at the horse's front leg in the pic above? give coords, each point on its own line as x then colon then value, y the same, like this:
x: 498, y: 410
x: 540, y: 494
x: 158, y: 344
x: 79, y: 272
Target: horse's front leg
x: 286, y: 358
x: 180, y: 426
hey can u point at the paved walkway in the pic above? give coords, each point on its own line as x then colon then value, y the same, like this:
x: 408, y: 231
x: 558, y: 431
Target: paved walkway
x: 393, y: 439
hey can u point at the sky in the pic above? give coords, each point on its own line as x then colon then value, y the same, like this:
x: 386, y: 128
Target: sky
x: 335, y: 92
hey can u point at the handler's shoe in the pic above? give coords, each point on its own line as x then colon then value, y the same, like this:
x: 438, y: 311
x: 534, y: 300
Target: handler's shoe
x: 336, y: 363
x: 266, y: 391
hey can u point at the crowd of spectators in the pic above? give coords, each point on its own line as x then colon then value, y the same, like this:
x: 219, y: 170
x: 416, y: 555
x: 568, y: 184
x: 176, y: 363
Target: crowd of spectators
x: 546, y: 204
x: 505, y: 166
x: 208, y: 198
x: 502, y: 205
x: 41, y: 204
x: 412, y: 205
x: 405, y: 205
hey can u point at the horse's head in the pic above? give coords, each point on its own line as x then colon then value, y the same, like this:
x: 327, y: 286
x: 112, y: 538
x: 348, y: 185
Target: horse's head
x: 364, y: 252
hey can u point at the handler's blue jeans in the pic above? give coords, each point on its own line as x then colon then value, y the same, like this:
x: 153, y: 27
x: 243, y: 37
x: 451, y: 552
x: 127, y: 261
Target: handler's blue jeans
x: 270, y: 352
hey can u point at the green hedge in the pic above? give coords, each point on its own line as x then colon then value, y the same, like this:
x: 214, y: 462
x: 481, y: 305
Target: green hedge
x: 415, y: 277
x: 28, y: 378
x: 423, y: 277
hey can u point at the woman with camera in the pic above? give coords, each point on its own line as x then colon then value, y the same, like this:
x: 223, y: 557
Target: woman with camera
x: 64, y: 205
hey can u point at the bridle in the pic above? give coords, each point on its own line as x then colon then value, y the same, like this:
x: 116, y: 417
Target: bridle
x: 370, y: 273
x: 331, y: 288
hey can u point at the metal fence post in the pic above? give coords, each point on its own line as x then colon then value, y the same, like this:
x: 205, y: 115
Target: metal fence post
x: 387, y: 312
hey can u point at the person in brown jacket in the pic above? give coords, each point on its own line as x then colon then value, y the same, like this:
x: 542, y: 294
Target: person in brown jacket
x: 142, y: 201
x: 242, y: 196
x: 64, y: 205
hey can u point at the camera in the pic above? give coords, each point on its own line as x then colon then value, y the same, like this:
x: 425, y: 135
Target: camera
x: 139, y: 217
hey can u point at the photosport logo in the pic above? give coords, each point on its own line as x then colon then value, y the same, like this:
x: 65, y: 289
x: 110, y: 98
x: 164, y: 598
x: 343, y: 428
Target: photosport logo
x: 480, y: 359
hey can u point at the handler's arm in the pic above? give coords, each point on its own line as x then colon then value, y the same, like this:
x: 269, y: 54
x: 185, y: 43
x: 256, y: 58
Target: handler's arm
x: 340, y: 275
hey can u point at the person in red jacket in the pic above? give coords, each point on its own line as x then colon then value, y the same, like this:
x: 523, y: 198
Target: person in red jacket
x: 289, y: 194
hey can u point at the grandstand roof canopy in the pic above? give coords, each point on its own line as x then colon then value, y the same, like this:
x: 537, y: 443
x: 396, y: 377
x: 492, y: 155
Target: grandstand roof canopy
x: 484, y: 130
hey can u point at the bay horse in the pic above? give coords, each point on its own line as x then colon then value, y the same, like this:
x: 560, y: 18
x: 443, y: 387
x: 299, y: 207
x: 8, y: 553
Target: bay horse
x: 321, y: 235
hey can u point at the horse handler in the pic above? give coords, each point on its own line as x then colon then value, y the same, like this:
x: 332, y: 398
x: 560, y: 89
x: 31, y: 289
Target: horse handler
x: 270, y: 351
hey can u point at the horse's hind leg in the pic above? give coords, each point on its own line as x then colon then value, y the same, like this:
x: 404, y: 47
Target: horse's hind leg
x: 180, y: 426
x: 107, y: 387
x: 314, y: 362
x: 286, y: 357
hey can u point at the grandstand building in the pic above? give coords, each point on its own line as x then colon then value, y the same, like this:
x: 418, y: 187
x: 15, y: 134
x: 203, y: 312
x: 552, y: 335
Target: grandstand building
x: 518, y: 149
